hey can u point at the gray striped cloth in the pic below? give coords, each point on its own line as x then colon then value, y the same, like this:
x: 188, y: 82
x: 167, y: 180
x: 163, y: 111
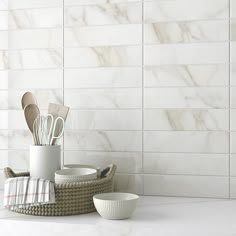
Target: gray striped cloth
x: 28, y: 191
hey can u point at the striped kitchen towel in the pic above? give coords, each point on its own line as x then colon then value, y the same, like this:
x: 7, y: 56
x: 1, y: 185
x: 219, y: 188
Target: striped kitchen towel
x: 28, y: 191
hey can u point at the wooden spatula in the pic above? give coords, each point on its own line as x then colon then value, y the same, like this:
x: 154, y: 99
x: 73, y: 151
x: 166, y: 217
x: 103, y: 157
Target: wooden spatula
x: 57, y: 110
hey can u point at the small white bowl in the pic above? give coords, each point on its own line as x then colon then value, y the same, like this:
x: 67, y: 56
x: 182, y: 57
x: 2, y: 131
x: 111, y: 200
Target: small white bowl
x: 115, y: 206
x: 72, y: 166
x: 75, y: 175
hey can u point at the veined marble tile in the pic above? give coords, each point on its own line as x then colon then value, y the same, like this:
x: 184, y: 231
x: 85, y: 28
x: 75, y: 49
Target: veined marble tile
x: 103, y: 56
x: 3, y: 159
x: 24, y: 4
x: 36, y: 59
x: 120, y: 141
x: 201, y: 53
x: 233, y: 29
x: 186, y: 164
x: 104, y: 98
x: 186, y: 141
x: 3, y: 100
x: 104, y: 120
x: 19, y: 139
x: 233, y: 74
x: 233, y: 52
x: 232, y: 187
x: 103, y: 77
x: 233, y: 119
x: 126, y: 162
x: 233, y: 97
x: 180, y: 10
x: 4, y: 59
x: 3, y: 119
x: 3, y: 40
x: 35, y: 79
x: 18, y: 159
x: 187, y: 186
x: 36, y: 18
x: 182, y: 119
x: 186, y: 98
x: 233, y: 142
x: 43, y: 97
x: 233, y: 165
x: 103, y: 14
x: 4, y: 79
x: 3, y: 20
x: 33, y: 39
x: 186, y: 32
x: 232, y: 9
x: 128, y: 183
x: 114, y: 35
x: 88, y: 2
x: 3, y: 139
x: 4, y: 4
x: 186, y: 75
x: 16, y: 120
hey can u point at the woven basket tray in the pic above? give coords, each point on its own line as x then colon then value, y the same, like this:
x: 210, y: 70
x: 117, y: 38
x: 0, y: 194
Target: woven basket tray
x: 71, y: 199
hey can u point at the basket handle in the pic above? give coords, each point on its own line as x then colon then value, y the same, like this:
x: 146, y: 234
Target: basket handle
x: 109, y: 171
x: 9, y: 173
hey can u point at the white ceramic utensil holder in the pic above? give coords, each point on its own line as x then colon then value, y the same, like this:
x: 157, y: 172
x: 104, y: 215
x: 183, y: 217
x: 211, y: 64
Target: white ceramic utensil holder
x: 44, y: 161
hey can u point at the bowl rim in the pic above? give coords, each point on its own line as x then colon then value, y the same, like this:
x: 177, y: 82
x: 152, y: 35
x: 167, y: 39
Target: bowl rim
x: 97, y: 197
x: 66, y: 172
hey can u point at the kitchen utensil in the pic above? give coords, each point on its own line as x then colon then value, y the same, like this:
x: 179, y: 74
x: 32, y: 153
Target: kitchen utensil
x: 115, y: 206
x: 58, y: 110
x: 70, y: 166
x: 54, y: 133
x: 75, y: 175
x: 28, y: 98
x: 31, y: 112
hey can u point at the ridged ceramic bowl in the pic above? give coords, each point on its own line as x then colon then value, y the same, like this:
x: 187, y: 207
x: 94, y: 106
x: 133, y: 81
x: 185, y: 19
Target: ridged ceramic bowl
x: 115, y: 206
x: 75, y: 175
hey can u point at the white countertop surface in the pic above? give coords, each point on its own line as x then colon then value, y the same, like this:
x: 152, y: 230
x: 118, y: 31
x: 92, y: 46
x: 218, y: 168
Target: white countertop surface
x: 162, y: 216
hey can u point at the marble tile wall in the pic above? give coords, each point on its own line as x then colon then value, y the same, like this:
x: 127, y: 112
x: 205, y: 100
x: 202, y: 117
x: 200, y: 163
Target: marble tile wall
x: 150, y: 84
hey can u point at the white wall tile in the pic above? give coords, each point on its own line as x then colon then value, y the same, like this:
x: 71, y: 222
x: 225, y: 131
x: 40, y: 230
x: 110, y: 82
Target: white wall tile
x: 103, y: 77
x: 104, y: 98
x: 36, y: 18
x: 104, y: 120
x: 3, y: 40
x: 233, y: 165
x: 87, y: 2
x: 202, y: 53
x: 4, y: 5
x: 103, y: 14
x: 3, y: 59
x: 186, y: 164
x: 233, y: 120
x: 233, y: 29
x: 3, y: 99
x: 233, y: 74
x: 103, y: 56
x: 126, y: 162
x: 186, y: 32
x: 178, y: 10
x: 182, y: 119
x: 33, y: 39
x: 24, y: 4
x: 19, y: 139
x: 233, y: 187
x: 4, y: 79
x: 36, y: 59
x: 185, y: 142
x: 3, y: 20
x: 35, y: 79
x: 3, y: 119
x: 233, y: 97
x: 114, y: 35
x: 128, y: 183
x: 186, y: 98
x: 120, y: 141
x: 3, y: 159
x: 188, y: 186
x: 232, y: 52
x: 3, y: 139
x: 18, y: 160
x: 233, y: 142
x: 186, y: 75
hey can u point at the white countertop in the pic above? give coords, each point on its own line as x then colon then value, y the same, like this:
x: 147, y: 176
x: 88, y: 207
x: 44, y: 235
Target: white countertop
x: 162, y: 216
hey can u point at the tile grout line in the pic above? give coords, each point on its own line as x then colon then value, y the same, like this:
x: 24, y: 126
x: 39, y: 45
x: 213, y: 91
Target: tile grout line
x: 229, y: 98
x: 143, y: 97
x: 63, y: 73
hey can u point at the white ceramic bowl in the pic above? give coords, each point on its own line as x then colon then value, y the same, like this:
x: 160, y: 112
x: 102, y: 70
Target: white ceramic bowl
x: 115, y: 206
x: 75, y: 175
x: 72, y: 166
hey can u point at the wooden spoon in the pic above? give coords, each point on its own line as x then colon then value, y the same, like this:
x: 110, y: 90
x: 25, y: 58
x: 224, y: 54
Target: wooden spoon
x: 31, y: 112
x: 28, y: 98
